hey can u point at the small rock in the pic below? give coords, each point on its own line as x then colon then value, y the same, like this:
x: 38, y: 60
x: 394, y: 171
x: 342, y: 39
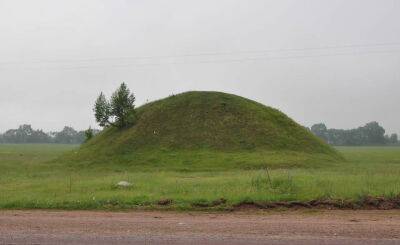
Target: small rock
x: 124, y: 184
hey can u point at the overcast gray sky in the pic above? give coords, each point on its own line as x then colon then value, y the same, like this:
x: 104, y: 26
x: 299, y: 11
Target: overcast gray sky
x: 332, y: 61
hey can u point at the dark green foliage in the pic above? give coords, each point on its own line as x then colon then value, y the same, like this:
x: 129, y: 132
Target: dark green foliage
x: 25, y: 134
x: 321, y: 131
x: 370, y: 134
x: 374, y: 133
x: 119, y: 112
x: 394, y: 139
x: 122, y: 106
x: 89, y: 134
x: 69, y: 136
x: 102, y: 110
x: 203, y: 123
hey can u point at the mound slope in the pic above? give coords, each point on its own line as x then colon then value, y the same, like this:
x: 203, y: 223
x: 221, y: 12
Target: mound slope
x: 205, y: 121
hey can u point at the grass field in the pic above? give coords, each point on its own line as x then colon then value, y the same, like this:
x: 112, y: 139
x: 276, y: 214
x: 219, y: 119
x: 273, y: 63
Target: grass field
x: 29, y: 178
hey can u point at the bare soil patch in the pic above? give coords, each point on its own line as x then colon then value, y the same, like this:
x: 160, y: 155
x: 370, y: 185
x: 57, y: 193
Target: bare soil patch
x: 367, y: 203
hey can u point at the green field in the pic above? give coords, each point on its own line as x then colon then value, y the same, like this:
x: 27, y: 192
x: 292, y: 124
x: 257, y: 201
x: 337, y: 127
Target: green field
x: 31, y: 178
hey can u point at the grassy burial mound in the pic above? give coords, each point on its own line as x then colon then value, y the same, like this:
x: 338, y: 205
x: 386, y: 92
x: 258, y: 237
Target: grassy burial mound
x: 206, y: 131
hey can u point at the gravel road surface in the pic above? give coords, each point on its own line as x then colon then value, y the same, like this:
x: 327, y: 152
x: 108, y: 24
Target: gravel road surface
x: 142, y: 227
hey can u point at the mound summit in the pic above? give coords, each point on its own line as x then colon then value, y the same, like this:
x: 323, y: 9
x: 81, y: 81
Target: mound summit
x: 203, y: 126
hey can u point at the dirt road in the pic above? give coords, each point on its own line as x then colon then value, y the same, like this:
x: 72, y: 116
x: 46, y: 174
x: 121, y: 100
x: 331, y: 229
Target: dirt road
x: 274, y: 228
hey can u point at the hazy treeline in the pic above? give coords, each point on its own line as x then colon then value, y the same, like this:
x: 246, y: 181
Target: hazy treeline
x: 370, y: 134
x: 26, y: 134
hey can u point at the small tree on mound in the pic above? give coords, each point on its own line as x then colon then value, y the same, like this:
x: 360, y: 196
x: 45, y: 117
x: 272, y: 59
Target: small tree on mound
x: 102, y: 111
x: 119, y: 112
x: 89, y: 134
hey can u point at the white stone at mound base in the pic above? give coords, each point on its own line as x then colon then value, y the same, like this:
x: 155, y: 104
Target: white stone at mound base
x: 124, y: 184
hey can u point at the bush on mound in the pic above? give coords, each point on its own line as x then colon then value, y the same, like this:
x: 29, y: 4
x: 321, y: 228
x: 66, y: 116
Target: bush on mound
x: 203, y: 130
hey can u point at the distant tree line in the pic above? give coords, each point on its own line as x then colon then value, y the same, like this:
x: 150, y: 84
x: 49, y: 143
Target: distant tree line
x: 118, y: 111
x: 370, y: 134
x: 25, y: 134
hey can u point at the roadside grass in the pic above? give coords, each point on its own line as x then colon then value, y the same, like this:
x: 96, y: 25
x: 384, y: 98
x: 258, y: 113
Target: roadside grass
x: 28, y: 179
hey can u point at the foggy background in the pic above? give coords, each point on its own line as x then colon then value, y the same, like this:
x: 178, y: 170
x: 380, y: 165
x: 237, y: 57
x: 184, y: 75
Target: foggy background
x: 331, y: 61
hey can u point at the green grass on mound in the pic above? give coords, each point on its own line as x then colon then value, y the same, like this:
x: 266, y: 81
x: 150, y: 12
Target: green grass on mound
x: 196, y: 160
x: 206, y: 130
